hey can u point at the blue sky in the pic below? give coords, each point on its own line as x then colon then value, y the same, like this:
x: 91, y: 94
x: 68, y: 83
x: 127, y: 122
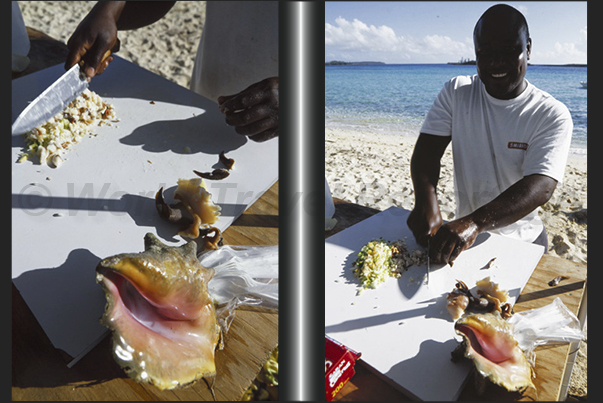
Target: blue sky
x: 439, y: 32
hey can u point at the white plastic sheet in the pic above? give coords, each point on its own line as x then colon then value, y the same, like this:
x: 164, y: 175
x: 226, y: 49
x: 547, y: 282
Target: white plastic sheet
x: 550, y: 324
x: 245, y: 275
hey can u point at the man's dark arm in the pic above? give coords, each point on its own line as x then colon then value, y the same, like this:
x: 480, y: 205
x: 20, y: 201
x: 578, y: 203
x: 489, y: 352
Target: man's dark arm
x: 97, y: 32
x: 425, y: 218
x: 516, y: 202
x: 137, y: 14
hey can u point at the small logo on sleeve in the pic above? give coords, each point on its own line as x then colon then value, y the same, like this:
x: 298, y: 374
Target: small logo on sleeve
x: 518, y: 146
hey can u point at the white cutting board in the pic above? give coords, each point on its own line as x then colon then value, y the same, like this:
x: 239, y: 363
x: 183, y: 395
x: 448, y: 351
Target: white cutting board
x: 100, y: 202
x: 402, y: 328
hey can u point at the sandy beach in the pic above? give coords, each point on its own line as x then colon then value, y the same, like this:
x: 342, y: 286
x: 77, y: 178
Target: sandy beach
x: 167, y: 47
x: 374, y: 170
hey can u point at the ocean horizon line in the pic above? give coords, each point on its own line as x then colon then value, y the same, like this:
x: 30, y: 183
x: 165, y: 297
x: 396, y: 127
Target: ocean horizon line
x: 377, y: 63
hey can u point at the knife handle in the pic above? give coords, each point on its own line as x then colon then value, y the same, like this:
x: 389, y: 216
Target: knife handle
x: 114, y: 49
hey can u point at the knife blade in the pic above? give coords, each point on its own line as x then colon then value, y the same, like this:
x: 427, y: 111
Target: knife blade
x: 52, y: 101
x: 56, y: 97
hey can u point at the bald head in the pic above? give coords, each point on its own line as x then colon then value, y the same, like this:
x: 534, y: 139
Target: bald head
x: 502, y: 50
x: 502, y: 14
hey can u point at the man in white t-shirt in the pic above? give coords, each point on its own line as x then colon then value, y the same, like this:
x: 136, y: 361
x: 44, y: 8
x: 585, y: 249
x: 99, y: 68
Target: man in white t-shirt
x: 236, y: 63
x: 510, y: 143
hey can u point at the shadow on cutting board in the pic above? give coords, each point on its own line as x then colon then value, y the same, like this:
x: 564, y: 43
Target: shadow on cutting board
x: 427, y: 311
x: 57, y: 295
x: 124, y: 79
x: 427, y: 350
x: 185, y: 136
x: 140, y: 208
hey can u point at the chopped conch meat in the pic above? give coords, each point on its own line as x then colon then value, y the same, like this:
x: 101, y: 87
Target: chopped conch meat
x: 380, y: 259
x: 54, y: 138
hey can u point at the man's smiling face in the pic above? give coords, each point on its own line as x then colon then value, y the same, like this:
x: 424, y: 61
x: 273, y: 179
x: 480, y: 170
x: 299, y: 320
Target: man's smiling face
x: 502, y: 51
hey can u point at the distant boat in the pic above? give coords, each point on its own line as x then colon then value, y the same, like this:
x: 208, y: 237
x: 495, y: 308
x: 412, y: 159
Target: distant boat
x: 583, y: 83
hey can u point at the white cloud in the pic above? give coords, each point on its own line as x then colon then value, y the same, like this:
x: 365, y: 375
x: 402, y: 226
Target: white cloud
x: 562, y: 53
x: 368, y: 42
x: 565, y: 52
x: 568, y: 49
x: 359, y: 36
x: 442, y: 44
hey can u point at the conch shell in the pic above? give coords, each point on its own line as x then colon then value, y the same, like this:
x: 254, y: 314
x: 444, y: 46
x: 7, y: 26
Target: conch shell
x: 489, y: 342
x: 164, y: 324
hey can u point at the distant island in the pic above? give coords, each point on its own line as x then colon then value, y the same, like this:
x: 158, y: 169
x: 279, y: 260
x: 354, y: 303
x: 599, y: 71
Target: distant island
x: 464, y: 62
x: 340, y: 63
x: 467, y: 61
x: 472, y: 62
x: 560, y: 65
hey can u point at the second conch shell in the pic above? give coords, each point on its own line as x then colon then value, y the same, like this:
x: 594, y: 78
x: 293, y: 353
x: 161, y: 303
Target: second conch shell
x: 193, y: 194
x: 489, y: 342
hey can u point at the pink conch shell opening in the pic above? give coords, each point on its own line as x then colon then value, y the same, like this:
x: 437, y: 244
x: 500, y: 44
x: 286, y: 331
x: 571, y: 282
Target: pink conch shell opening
x: 490, y: 344
x: 164, y: 325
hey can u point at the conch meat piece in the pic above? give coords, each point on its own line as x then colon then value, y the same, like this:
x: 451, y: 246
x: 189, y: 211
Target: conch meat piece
x: 163, y: 320
x: 490, y: 298
x: 456, y: 304
x: 228, y: 162
x: 216, y: 174
x: 488, y: 288
x: 496, y: 297
x: 489, y: 342
x: 193, y: 194
x: 458, y: 300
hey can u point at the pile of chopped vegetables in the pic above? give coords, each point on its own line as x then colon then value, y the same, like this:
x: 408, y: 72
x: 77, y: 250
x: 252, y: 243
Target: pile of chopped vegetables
x: 380, y: 259
x: 51, y: 140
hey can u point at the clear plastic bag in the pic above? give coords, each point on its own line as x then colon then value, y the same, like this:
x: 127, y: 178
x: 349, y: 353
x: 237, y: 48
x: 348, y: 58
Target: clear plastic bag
x: 550, y: 324
x: 244, y: 275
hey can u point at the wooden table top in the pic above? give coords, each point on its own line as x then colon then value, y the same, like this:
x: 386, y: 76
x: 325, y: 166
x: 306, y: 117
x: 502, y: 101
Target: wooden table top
x: 39, y: 371
x: 551, y: 361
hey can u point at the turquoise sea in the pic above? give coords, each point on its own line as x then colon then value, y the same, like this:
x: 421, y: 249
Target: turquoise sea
x: 394, y: 98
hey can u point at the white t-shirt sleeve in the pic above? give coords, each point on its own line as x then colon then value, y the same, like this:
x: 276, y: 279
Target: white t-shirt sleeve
x: 547, y: 152
x: 439, y: 118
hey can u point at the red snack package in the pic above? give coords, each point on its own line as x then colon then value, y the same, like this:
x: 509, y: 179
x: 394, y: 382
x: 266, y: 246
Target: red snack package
x: 339, y: 366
